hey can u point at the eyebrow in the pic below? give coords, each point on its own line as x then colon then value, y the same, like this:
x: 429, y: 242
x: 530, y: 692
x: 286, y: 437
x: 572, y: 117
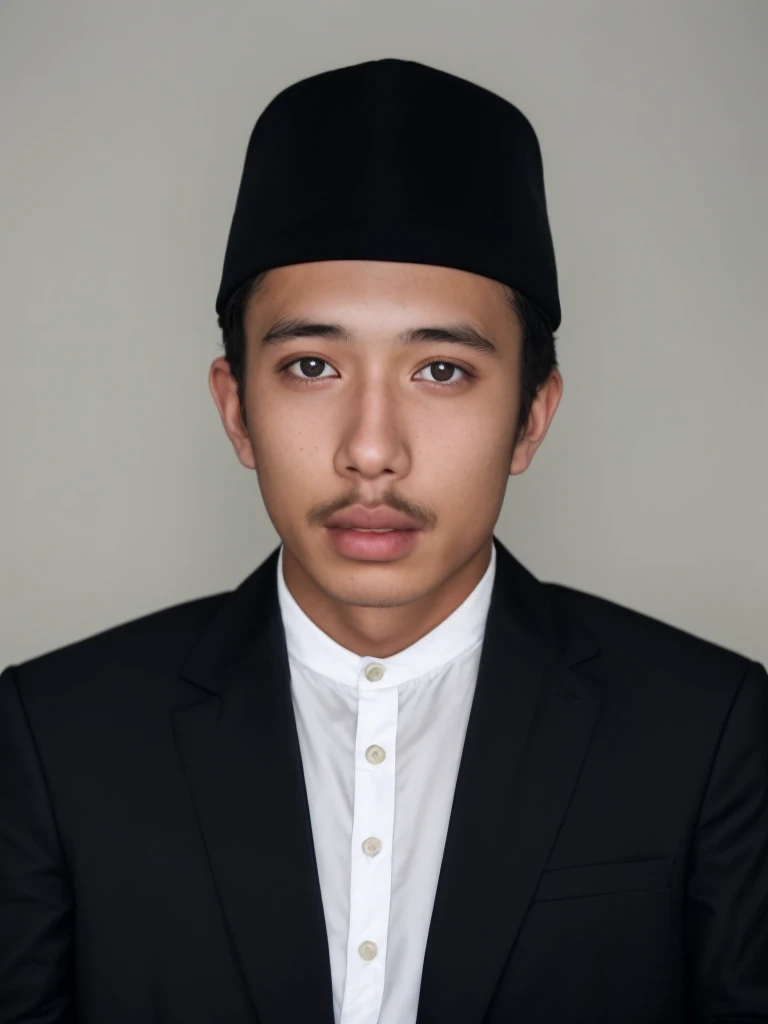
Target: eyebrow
x: 454, y: 334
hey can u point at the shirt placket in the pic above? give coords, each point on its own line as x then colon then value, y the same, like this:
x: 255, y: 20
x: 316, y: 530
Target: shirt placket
x: 372, y: 833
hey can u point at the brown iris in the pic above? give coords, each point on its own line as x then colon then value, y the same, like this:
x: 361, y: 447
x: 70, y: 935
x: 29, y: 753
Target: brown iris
x: 446, y: 368
x: 317, y: 366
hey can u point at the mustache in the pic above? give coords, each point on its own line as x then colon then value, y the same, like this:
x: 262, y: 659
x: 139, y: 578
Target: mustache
x: 319, y: 513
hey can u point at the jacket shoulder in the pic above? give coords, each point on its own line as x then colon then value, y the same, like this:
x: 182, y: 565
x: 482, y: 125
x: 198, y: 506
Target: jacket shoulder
x: 157, y: 641
x: 631, y: 638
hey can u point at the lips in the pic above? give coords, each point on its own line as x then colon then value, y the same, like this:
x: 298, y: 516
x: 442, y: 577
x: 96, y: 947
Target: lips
x: 358, y: 518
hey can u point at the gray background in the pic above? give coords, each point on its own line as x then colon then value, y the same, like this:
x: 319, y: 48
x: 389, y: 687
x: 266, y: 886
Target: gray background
x: 123, y: 128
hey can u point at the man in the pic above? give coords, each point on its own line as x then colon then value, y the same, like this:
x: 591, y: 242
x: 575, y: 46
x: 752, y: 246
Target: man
x: 392, y: 776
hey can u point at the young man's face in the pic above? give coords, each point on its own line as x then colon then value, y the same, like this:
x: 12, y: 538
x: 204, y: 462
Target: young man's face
x: 372, y: 421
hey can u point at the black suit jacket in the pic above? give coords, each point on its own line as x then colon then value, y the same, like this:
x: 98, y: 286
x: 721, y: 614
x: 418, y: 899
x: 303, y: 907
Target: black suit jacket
x: 606, y: 859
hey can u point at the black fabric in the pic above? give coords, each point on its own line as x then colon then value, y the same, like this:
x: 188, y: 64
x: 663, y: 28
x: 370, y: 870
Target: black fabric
x: 606, y: 859
x: 394, y: 160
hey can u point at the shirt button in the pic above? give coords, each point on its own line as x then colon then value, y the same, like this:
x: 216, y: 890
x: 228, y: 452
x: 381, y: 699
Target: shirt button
x: 367, y: 950
x: 372, y: 846
x: 374, y: 673
x: 375, y: 754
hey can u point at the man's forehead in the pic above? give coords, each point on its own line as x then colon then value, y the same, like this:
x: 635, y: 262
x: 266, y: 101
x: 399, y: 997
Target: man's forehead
x: 363, y: 288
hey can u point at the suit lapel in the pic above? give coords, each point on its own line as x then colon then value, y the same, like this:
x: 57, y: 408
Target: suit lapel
x: 239, y: 748
x: 529, y: 728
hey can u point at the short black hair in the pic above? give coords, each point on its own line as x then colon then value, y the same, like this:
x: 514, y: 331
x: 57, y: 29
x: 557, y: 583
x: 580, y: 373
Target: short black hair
x: 539, y: 356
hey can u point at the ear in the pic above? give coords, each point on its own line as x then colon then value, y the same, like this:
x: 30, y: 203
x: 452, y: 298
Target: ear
x: 223, y: 387
x: 543, y: 409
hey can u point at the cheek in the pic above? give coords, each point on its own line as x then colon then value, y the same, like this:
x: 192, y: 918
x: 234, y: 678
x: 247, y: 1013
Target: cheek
x: 469, y: 456
x: 463, y: 464
x: 291, y: 450
x: 478, y: 441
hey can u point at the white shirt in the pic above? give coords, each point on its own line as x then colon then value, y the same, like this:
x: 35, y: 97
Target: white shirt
x: 381, y: 740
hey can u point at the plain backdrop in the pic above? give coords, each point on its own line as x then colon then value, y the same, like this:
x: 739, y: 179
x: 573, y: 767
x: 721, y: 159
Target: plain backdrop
x: 123, y: 128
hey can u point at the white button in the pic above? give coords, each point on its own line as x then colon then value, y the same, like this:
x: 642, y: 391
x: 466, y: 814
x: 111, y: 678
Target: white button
x: 375, y: 754
x: 372, y: 846
x: 374, y: 673
x: 367, y: 950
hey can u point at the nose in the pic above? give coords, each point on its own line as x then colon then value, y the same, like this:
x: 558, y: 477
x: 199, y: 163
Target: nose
x: 374, y: 440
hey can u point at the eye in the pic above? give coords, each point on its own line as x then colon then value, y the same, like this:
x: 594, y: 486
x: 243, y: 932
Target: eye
x: 309, y: 365
x: 445, y: 368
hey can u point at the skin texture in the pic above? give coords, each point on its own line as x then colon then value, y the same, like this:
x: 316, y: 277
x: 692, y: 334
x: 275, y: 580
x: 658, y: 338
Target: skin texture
x: 382, y: 425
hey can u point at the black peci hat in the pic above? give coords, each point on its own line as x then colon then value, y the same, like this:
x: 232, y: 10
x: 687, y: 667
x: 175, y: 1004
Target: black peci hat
x: 394, y: 160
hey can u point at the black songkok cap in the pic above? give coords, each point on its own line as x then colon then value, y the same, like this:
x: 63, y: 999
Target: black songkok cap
x: 394, y: 160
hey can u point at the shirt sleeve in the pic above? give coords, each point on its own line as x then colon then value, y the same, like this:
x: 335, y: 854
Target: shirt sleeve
x: 727, y: 904
x: 36, y: 903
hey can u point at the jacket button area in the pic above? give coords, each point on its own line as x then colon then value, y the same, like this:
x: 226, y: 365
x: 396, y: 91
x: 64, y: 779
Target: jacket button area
x: 374, y: 673
x: 372, y: 846
x: 367, y: 950
x: 375, y: 754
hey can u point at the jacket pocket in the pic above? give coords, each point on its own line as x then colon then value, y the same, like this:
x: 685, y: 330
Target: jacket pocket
x: 602, y: 879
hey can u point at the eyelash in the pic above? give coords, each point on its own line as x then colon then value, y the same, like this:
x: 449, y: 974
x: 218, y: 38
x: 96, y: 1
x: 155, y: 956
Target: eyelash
x: 309, y: 381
